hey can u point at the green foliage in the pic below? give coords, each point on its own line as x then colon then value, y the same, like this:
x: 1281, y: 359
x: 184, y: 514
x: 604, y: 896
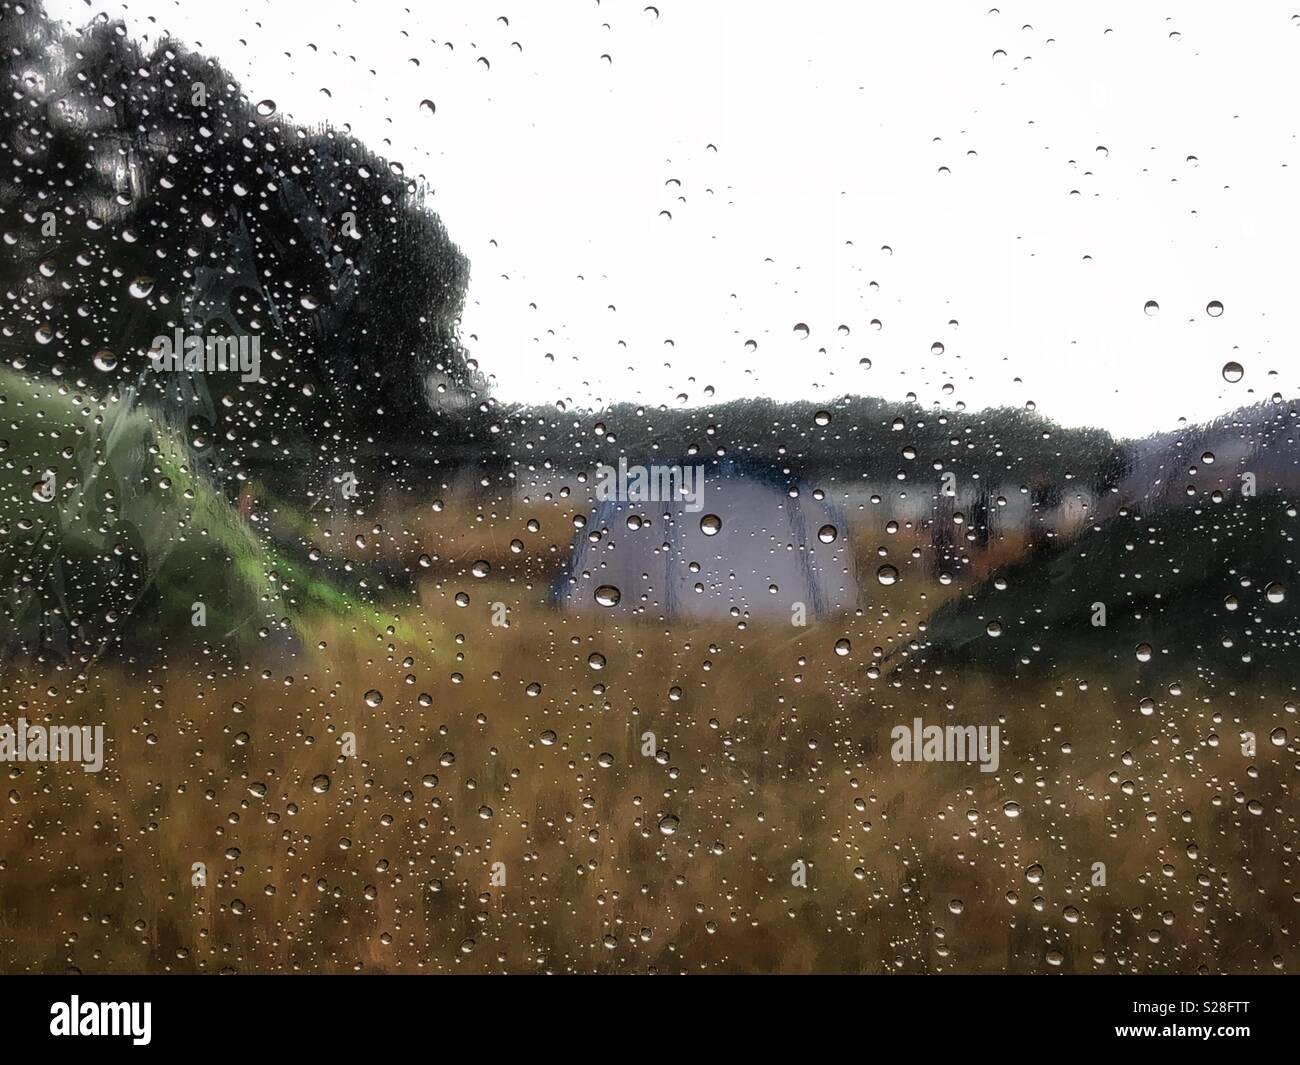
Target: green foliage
x: 132, y: 539
x: 1168, y: 579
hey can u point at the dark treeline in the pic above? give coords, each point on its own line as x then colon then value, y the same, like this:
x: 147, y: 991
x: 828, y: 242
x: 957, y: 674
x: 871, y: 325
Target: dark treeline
x: 846, y: 440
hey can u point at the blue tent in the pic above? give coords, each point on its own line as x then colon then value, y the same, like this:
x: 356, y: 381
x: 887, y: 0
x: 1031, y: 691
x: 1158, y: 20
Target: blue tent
x: 777, y: 553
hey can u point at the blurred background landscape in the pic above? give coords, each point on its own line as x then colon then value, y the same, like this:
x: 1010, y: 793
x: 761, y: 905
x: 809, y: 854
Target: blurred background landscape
x: 410, y: 735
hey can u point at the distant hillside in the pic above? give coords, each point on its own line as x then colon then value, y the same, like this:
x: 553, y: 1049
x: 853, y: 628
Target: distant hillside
x: 1262, y: 440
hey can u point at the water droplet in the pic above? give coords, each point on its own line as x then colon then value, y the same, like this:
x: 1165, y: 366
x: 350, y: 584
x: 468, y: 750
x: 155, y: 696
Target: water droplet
x: 1233, y: 372
x: 1214, y: 308
x: 886, y: 575
x: 801, y: 330
x: 1152, y: 308
x: 428, y: 107
x: 827, y: 534
x: 710, y: 525
x: 141, y: 287
x: 320, y: 784
x: 608, y: 595
x: 374, y: 697
x: 266, y: 108
x: 1011, y: 808
x: 1275, y: 592
x: 668, y: 825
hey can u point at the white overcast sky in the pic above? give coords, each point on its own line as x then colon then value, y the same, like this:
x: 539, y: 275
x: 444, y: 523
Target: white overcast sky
x: 831, y: 123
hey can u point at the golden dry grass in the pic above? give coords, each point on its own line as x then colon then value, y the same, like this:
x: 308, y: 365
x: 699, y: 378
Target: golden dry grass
x: 774, y: 749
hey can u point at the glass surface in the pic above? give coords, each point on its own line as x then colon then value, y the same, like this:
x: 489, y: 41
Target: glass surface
x: 697, y: 488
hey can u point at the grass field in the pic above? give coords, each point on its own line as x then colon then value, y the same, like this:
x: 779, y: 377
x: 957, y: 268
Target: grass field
x: 504, y: 745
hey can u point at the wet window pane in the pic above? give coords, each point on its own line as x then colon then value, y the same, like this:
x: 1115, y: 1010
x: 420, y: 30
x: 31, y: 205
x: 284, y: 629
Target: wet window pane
x: 622, y: 488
